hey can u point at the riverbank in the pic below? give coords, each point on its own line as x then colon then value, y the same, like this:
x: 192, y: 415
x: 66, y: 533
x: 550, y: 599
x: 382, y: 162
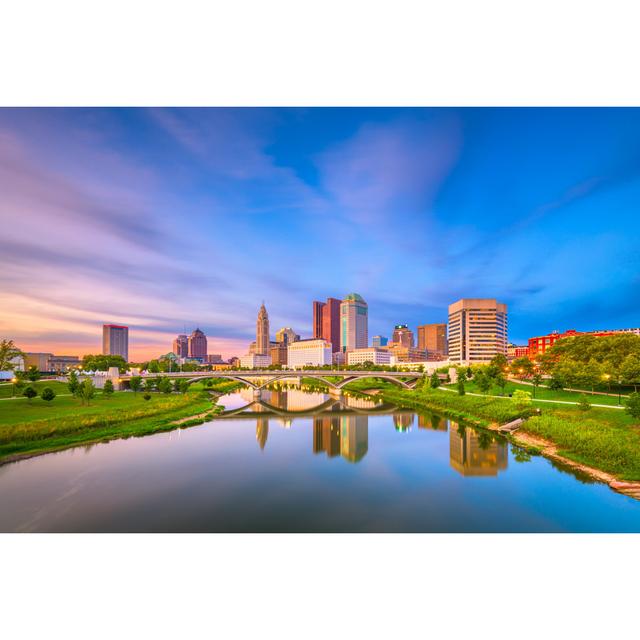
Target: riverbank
x: 38, y: 427
x: 602, y: 443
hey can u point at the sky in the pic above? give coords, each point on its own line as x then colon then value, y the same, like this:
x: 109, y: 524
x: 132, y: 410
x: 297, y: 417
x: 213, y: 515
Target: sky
x: 171, y: 219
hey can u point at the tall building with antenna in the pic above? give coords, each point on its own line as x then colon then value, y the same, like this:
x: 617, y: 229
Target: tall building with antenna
x: 262, y: 332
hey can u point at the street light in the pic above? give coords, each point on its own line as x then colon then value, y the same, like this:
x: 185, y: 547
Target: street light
x: 607, y: 377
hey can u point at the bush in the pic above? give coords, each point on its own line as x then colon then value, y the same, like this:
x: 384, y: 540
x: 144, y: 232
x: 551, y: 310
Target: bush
x: 107, y: 390
x: 522, y: 399
x: 147, y: 396
x: 632, y: 406
x: 461, y: 390
x: 584, y: 404
x: 556, y: 384
x: 435, y: 380
x: 48, y: 394
x: 29, y: 393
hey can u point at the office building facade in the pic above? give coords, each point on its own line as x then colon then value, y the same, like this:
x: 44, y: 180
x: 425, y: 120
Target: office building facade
x: 309, y: 353
x: 369, y: 354
x: 477, y: 329
x: 198, y: 345
x: 432, y: 338
x: 181, y: 346
x: 354, y: 313
x: 379, y: 341
x: 115, y: 340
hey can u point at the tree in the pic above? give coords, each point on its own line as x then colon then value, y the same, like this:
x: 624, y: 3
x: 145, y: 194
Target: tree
x: 469, y: 373
x: 107, y: 390
x: 500, y: 361
x: 184, y: 386
x: 135, y: 383
x: 48, y: 394
x: 483, y: 382
x: 29, y: 393
x: 8, y: 353
x: 435, y: 381
x: 522, y: 368
x: 148, y: 385
x: 536, y: 380
x: 501, y: 382
x: 462, y: 374
x: 461, y: 390
x: 165, y: 386
x: 33, y: 374
x: 583, y: 403
x: 86, y: 390
x: 176, y: 384
x: 154, y: 367
x: 555, y: 384
x: 630, y: 370
x: 73, y: 383
x: 632, y: 405
x: 522, y: 399
x: 101, y: 362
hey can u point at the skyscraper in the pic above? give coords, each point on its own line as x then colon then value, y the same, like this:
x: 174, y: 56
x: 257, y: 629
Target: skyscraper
x: 115, y: 340
x: 353, y: 323
x: 477, y: 329
x: 379, y: 341
x: 326, y: 321
x: 402, y: 336
x: 181, y: 346
x: 317, y: 318
x: 197, y: 345
x: 433, y: 338
x: 262, y: 332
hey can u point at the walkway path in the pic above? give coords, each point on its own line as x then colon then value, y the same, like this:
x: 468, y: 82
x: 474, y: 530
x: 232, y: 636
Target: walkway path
x: 481, y: 395
x: 596, y: 393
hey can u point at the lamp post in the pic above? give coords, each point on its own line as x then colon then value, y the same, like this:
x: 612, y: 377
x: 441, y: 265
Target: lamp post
x: 619, y: 390
x: 607, y: 377
x: 13, y: 386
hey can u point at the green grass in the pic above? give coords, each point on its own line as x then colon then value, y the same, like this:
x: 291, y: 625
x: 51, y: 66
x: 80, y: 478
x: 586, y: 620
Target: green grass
x: 38, y: 427
x: 599, y: 438
x: 542, y: 393
x: 6, y: 390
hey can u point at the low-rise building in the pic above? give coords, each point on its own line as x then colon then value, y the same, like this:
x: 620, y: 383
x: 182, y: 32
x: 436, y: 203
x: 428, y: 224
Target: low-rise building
x: 370, y: 354
x: 255, y: 361
x: 407, y: 354
x: 314, y: 352
x: 515, y: 351
x: 63, y: 363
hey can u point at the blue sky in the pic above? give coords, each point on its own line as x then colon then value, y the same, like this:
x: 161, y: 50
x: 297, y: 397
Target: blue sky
x: 166, y: 218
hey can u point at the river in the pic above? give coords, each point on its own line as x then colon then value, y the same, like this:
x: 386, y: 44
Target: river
x: 306, y: 462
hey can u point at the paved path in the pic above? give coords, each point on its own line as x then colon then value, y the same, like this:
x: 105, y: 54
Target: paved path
x: 481, y: 395
x: 591, y: 393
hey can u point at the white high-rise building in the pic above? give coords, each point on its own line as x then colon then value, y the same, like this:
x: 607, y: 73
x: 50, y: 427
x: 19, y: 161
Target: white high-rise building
x: 315, y: 352
x: 477, y: 329
x: 353, y: 323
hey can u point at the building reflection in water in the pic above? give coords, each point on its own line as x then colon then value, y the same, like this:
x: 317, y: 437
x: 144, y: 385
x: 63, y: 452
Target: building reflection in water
x: 432, y: 422
x: 262, y: 431
x: 347, y: 436
x: 402, y: 421
x: 474, y: 453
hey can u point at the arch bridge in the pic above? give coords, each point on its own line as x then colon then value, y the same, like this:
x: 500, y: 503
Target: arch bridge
x: 258, y: 379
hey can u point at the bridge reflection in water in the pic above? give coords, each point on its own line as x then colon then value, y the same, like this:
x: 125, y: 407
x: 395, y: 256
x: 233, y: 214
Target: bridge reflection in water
x: 341, y: 427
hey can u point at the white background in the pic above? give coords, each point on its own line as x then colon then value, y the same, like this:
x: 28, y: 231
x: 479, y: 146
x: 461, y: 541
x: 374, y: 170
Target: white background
x: 279, y: 52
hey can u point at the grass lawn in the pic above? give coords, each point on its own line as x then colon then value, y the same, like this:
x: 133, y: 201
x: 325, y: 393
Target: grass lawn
x: 6, y: 390
x: 542, y: 393
x: 27, y: 428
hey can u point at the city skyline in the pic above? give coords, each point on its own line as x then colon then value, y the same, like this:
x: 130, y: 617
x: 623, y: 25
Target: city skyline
x: 157, y: 219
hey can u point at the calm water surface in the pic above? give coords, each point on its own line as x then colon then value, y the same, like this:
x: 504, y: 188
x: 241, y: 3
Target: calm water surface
x: 349, y: 465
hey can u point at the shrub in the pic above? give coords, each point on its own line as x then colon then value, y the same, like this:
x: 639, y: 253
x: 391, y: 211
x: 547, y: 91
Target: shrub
x: 632, y: 406
x: 584, y: 404
x: 522, y: 399
x: 435, y: 380
x: 556, y: 384
x: 107, y: 390
x: 147, y: 396
x: 48, y: 394
x: 29, y: 393
x: 461, y: 390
